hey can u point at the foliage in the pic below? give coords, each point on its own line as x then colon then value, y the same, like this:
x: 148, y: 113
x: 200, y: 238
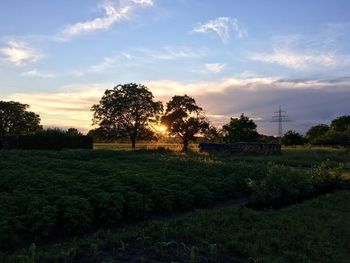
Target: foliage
x: 333, y: 138
x: 285, y: 185
x: 316, y: 131
x: 240, y: 129
x: 74, y: 132
x: 341, y: 124
x: 338, y: 134
x: 184, y: 118
x: 45, y: 194
x: 314, y: 231
x: 59, y: 132
x: 213, y: 134
x: 292, y: 138
x: 15, y: 119
x: 46, y: 141
x: 126, y: 111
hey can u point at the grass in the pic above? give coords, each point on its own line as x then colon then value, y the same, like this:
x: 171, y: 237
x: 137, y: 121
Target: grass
x: 302, y: 156
x: 143, y: 146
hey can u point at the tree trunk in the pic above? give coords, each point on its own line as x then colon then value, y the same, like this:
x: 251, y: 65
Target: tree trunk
x: 133, y: 143
x: 185, y: 146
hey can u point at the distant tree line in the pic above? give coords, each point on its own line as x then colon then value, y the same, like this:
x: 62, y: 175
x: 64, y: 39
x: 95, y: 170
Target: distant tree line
x: 336, y: 134
x: 16, y: 119
x: 129, y: 111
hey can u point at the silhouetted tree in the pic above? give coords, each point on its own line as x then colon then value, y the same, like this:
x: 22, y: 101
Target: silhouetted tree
x: 52, y: 132
x: 341, y: 124
x: 213, y: 134
x: 292, y: 138
x: 15, y: 119
x: 241, y: 129
x: 73, y: 132
x: 125, y: 111
x: 184, y: 118
x: 316, y: 131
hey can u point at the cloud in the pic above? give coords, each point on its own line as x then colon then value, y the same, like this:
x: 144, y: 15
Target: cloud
x: 223, y: 27
x: 141, y: 56
x: 112, y: 14
x: 299, y: 60
x: 307, y: 101
x: 69, y: 107
x: 19, y: 53
x: 144, y: 2
x: 169, y: 53
x: 103, y: 66
x: 323, y: 50
x: 215, y: 67
x: 38, y: 74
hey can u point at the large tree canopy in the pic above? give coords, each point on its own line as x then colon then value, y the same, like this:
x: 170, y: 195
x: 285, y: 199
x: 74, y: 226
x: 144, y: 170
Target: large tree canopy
x: 184, y: 118
x: 316, y: 131
x: 126, y: 111
x: 341, y: 124
x: 16, y: 120
x: 241, y: 129
x: 292, y: 138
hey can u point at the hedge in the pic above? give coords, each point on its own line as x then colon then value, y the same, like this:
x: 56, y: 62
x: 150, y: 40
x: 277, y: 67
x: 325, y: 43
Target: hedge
x: 45, y: 142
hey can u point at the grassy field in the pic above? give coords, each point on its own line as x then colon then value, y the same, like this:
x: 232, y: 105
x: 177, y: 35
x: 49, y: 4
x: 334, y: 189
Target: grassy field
x: 143, y: 146
x: 57, y: 196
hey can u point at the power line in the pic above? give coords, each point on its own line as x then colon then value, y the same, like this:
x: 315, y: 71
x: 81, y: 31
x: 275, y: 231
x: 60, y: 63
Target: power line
x: 280, y: 117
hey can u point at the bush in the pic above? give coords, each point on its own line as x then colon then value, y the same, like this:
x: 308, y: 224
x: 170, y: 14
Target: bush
x: 108, y: 207
x: 324, y: 179
x: 282, y: 185
x: 333, y: 138
x: 75, y: 214
x: 292, y: 138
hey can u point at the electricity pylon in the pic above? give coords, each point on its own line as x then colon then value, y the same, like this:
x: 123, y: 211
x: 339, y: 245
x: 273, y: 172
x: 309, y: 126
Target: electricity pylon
x: 280, y: 117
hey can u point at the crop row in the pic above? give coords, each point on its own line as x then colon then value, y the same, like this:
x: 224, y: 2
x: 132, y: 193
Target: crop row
x: 315, y: 231
x: 44, y: 195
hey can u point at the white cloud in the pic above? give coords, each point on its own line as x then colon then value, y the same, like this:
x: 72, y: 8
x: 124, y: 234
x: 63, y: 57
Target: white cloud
x: 103, y: 66
x: 141, y: 56
x: 38, y: 74
x: 170, y: 53
x: 215, y: 67
x: 144, y: 2
x: 297, y: 60
x: 112, y: 14
x: 19, y: 53
x: 223, y: 27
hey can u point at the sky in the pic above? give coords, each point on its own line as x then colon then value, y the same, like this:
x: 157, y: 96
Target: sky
x: 232, y: 56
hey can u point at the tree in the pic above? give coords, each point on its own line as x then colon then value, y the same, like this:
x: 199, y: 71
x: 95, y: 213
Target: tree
x: 15, y: 119
x: 125, y: 111
x: 241, y: 129
x: 73, y: 132
x: 213, y: 134
x: 54, y: 131
x: 317, y: 131
x: 184, y: 118
x: 341, y: 124
x: 292, y: 138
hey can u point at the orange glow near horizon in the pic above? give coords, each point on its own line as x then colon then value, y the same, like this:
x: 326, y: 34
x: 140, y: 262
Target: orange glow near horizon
x: 161, y: 129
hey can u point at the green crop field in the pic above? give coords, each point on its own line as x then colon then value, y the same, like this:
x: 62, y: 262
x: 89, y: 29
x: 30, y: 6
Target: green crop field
x: 91, y: 206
